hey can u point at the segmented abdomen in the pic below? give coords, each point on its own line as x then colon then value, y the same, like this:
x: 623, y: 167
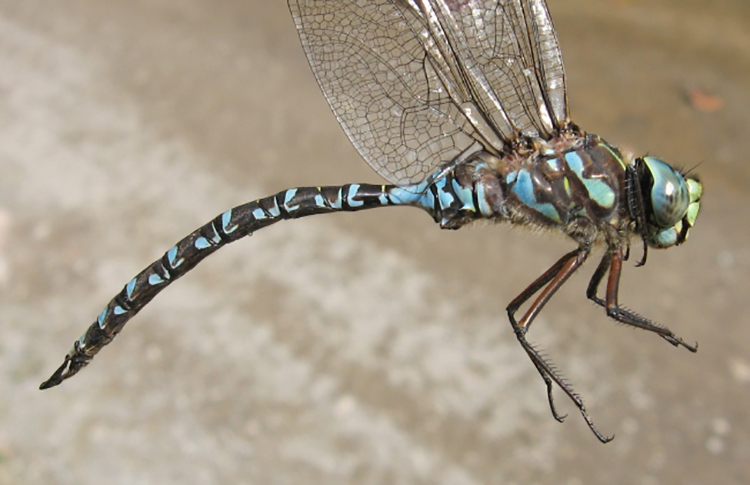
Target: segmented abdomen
x: 191, y: 250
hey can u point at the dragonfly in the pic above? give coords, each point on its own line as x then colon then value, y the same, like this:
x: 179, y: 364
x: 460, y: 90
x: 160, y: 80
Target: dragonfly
x: 461, y: 105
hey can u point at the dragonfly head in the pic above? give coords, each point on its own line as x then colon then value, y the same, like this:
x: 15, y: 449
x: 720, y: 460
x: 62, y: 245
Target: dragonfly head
x: 669, y: 202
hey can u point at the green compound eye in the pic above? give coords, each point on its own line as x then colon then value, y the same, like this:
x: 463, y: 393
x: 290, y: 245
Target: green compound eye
x: 669, y: 193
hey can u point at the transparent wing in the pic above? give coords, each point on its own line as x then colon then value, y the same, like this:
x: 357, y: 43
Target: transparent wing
x: 417, y: 83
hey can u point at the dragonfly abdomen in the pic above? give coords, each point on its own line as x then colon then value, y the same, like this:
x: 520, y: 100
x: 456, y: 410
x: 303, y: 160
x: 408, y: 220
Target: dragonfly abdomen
x: 446, y: 200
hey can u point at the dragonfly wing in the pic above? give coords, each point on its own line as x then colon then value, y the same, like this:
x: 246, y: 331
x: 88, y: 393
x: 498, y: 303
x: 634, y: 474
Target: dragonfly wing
x: 416, y: 83
x: 543, y: 50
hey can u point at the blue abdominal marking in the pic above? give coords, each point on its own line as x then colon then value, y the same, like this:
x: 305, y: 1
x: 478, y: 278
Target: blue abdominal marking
x: 353, y: 188
x: 465, y: 195
x: 202, y: 243
x: 101, y: 317
x: 524, y: 190
x: 414, y: 195
x: 226, y: 226
x: 287, y: 198
x: 155, y: 279
x: 598, y: 190
x: 129, y: 288
x: 445, y: 198
x: 258, y: 214
x: 275, y: 211
x: 119, y: 310
x: 172, y: 258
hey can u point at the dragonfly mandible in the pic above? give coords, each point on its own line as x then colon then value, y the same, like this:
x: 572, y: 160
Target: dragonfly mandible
x: 461, y: 105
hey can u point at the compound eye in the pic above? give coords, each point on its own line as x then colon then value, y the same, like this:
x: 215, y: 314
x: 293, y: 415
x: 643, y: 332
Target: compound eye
x: 669, y: 193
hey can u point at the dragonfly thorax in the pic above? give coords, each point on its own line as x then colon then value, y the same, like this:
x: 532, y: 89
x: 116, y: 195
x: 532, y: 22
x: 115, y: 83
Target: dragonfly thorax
x: 573, y: 183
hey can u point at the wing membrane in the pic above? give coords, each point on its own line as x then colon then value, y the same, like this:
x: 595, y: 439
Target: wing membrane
x: 416, y: 83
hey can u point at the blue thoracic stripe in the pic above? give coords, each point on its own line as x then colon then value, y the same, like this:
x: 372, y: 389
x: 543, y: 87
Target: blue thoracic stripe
x: 598, y: 190
x: 524, y: 190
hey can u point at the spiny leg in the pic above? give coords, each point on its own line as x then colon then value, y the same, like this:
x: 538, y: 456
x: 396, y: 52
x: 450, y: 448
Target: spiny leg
x: 513, y: 307
x: 612, y: 262
x: 550, y: 281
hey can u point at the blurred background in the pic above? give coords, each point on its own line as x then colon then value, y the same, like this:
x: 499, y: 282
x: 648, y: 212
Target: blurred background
x: 355, y: 348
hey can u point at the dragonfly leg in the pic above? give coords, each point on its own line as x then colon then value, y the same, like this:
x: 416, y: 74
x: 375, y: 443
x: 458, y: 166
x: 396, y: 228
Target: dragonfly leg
x: 548, y: 284
x: 517, y: 303
x: 612, y: 262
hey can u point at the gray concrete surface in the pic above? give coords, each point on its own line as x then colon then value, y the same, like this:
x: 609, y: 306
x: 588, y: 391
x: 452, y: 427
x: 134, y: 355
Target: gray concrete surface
x: 360, y: 348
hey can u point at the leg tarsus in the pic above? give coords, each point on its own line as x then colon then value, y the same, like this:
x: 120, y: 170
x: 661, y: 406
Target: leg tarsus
x: 559, y: 418
x: 678, y: 342
x: 521, y: 334
x: 548, y: 374
x: 634, y: 320
x: 604, y: 439
x: 550, y: 398
x: 612, y: 262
